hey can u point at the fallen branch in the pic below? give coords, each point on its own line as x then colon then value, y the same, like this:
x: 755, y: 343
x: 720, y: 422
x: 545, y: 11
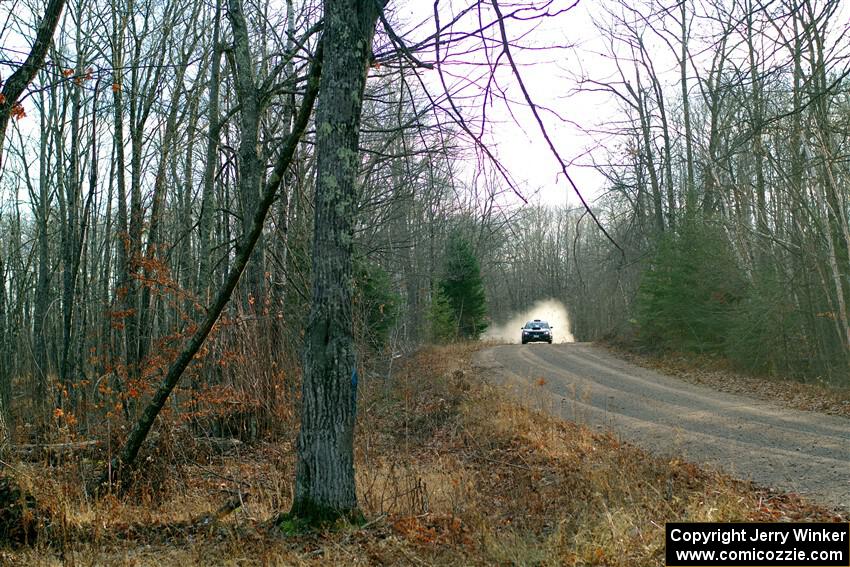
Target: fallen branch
x: 38, y: 451
x: 221, y: 445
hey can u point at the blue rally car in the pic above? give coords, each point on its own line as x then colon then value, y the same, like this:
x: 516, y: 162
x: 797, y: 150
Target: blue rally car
x: 537, y: 331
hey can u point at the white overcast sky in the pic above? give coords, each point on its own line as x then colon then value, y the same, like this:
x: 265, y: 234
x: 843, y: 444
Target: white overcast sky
x: 522, y: 151
x: 546, y: 73
x: 550, y: 75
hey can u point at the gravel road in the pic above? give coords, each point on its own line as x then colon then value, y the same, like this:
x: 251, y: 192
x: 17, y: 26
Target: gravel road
x: 797, y: 451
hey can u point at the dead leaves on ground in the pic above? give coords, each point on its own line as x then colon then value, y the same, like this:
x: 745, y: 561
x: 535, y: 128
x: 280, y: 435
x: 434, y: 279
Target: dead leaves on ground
x: 502, y: 484
x: 433, y: 529
x: 715, y: 373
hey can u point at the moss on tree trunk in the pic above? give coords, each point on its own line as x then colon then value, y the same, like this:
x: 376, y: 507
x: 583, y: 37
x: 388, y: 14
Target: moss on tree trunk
x: 324, y: 485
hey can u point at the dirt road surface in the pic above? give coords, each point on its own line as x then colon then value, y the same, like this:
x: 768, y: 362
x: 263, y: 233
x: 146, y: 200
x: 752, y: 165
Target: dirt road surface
x: 803, y: 452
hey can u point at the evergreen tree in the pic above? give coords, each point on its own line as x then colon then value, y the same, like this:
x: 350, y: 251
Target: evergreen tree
x: 442, y: 318
x: 688, y: 296
x: 376, y: 303
x: 463, y: 288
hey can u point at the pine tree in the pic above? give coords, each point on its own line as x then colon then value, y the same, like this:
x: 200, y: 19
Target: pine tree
x: 463, y: 288
x: 376, y: 303
x: 688, y: 296
x: 442, y: 318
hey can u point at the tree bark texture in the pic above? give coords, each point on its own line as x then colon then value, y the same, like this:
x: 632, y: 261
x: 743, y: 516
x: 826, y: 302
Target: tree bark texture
x: 324, y: 484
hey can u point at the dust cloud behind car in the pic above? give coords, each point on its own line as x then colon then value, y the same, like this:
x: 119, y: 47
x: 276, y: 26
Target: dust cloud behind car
x: 549, y: 310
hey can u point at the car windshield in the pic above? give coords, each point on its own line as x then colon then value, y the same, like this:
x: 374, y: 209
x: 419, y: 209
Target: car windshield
x: 537, y: 325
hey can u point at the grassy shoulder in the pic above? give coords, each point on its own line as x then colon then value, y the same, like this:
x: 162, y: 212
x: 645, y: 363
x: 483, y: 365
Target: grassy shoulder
x: 717, y: 373
x: 450, y: 472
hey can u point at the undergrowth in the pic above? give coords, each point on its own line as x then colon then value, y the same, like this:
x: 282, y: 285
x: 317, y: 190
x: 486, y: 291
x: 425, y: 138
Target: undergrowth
x: 719, y: 373
x: 450, y: 471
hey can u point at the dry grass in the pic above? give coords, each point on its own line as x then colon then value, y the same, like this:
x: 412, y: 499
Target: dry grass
x: 450, y: 472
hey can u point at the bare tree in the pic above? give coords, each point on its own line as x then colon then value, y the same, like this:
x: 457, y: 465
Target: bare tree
x: 17, y: 83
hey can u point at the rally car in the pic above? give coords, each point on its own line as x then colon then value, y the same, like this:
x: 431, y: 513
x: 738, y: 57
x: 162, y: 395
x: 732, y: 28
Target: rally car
x: 537, y: 331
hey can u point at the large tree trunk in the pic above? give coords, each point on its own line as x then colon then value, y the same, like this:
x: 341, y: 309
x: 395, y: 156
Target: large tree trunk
x: 757, y: 120
x: 122, y: 238
x: 324, y: 484
x: 645, y: 122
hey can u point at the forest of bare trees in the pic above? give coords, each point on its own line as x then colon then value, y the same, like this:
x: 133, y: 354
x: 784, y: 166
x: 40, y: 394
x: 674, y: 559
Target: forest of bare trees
x: 172, y: 245
x: 171, y: 204
x: 728, y: 184
x: 726, y: 173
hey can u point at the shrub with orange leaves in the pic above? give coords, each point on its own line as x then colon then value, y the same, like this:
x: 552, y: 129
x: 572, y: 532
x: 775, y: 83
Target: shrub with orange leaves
x: 64, y: 418
x: 18, y: 111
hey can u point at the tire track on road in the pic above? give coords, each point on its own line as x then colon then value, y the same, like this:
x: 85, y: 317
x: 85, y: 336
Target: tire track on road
x: 804, y: 452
